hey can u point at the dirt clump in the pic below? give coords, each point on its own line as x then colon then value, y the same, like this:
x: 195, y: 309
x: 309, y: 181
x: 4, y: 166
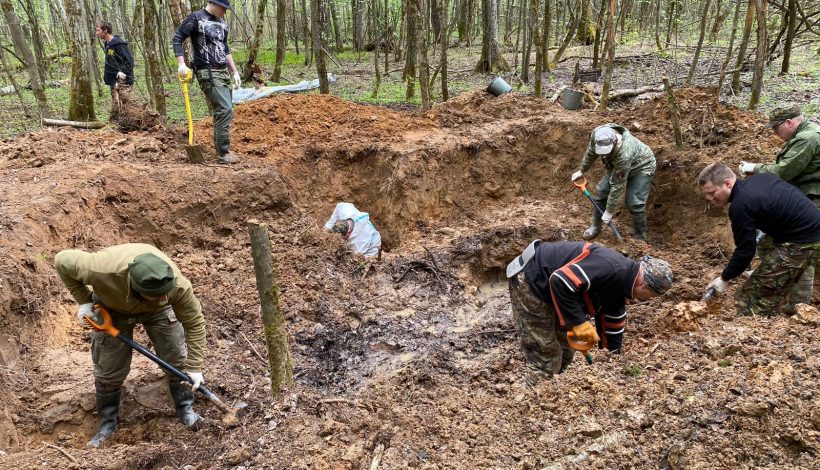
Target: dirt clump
x: 412, y: 361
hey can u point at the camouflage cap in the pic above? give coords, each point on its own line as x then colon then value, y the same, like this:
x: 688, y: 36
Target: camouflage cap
x: 781, y: 113
x: 657, y: 274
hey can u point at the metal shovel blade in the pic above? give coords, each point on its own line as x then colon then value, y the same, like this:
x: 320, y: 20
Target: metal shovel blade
x: 194, y: 154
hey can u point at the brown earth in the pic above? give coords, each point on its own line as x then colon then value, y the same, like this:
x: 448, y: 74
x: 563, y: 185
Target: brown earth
x: 413, y: 363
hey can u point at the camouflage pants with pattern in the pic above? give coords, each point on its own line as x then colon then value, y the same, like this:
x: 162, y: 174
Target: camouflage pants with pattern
x: 546, y: 351
x: 771, y: 285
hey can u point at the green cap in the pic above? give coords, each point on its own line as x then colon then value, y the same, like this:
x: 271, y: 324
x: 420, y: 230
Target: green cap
x: 779, y: 114
x: 151, y: 275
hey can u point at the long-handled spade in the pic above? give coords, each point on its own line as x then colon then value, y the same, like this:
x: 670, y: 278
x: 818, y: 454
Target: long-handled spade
x: 229, y: 417
x: 194, y: 151
x: 581, y: 183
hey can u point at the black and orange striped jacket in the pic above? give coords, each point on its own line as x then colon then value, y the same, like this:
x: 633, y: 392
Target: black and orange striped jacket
x: 583, y: 281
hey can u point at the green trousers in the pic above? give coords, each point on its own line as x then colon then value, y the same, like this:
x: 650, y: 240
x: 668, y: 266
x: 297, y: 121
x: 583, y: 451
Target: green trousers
x: 218, y: 90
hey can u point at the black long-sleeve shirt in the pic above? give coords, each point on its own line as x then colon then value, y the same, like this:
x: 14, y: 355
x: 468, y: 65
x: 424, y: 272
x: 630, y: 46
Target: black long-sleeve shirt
x: 117, y: 59
x: 582, y: 280
x: 766, y: 202
x: 209, y: 37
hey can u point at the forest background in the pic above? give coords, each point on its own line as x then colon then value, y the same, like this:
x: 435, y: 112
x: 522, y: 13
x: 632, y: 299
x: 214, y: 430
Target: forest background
x: 415, y: 52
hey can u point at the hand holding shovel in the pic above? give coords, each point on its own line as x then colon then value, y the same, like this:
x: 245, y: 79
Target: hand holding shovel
x: 581, y: 183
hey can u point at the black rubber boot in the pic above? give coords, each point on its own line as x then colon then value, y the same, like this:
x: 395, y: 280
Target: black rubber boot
x: 108, y: 406
x: 183, y: 399
x: 639, y: 224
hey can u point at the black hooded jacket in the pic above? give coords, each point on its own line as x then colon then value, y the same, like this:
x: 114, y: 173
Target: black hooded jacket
x: 118, y: 59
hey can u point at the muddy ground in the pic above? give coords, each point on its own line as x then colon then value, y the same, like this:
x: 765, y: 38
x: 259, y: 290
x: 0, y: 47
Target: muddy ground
x: 413, y: 363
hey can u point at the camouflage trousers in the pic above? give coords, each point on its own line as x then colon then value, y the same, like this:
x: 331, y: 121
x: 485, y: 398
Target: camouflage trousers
x: 773, y: 283
x: 546, y: 351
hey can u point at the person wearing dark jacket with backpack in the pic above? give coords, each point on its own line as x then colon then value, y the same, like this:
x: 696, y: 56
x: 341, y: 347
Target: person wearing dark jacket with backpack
x: 118, y: 71
x: 562, y: 286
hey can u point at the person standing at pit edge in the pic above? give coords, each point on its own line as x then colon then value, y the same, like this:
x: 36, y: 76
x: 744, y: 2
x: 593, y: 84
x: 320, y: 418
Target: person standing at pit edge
x: 798, y: 163
x: 767, y: 203
x: 214, y: 68
x: 118, y: 71
x: 561, y: 286
x: 137, y: 284
x: 630, y: 166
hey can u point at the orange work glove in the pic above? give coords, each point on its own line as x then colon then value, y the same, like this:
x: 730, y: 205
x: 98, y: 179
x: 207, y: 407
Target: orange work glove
x: 586, y: 332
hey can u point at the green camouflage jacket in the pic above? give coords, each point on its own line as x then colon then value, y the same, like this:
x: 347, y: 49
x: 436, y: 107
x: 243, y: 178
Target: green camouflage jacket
x: 632, y: 157
x: 798, y: 161
x: 106, y: 271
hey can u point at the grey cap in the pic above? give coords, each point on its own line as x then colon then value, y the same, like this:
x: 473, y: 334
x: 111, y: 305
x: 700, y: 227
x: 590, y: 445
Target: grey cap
x: 657, y: 274
x: 223, y: 3
x: 605, y: 138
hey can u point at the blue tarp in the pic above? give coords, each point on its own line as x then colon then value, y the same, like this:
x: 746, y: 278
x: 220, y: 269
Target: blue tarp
x: 247, y: 94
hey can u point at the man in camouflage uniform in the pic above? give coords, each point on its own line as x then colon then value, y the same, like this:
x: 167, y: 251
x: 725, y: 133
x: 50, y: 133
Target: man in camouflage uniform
x: 767, y: 203
x: 630, y: 166
x: 559, y: 287
x: 137, y: 284
x: 798, y: 163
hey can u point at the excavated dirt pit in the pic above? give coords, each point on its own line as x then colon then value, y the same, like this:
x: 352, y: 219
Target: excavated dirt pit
x: 413, y: 362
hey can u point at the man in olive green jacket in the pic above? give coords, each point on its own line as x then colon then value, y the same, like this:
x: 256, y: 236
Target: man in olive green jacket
x: 138, y: 284
x: 797, y: 162
x: 630, y: 166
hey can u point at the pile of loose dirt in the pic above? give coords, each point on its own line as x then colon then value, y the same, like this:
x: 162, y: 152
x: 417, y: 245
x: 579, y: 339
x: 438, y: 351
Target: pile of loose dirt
x: 413, y: 361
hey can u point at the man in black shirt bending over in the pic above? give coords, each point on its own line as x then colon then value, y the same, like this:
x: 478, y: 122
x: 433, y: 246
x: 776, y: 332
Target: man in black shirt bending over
x: 764, y: 202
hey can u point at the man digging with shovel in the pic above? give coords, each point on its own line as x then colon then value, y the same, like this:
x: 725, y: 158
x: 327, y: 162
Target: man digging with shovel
x: 630, y: 166
x: 137, y: 284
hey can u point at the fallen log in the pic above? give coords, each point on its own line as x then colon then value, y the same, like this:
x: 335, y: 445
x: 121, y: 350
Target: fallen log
x: 77, y: 124
x: 630, y: 92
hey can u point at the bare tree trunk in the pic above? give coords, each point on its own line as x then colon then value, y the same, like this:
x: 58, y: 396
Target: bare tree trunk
x: 21, y: 46
x: 730, y: 48
x: 178, y: 11
x: 461, y: 20
x: 280, y: 365
x: 545, y: 40
x: 36, y: 39
x: 610, y: 53
x: 694, y: 66
x: 421, y: 52
x: 337, y: 28
x: 153, y: 66
x: 377, y: 41
x: 253, y: 50
x: 744, y: 43
x: 281, y: 41
x: 787, y: 48
x: 526, y: 46
x: 567, y: 39
x: 491, y: 60
x: 307, y: 34
x: 596, y: 48
x: 719, y: 17
x: 81, y: 97
x: 413, y: 20
x: 760, y: 56
x: 318, y: 45
x: 657, y: 24
x: 535, y: 26
x: 445, y: 44
x: 359, y: 24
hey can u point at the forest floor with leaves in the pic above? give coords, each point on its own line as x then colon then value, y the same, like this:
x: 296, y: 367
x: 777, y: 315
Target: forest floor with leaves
x: 412, y: 362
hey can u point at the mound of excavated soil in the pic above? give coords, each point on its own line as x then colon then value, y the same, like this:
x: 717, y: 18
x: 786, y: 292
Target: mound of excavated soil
x: 413, y: 361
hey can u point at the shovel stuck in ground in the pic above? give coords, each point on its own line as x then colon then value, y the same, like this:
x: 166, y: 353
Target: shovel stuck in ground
x: 581, y: 183
x: 194, y: 151
x: 581, y: 346
x: 229, y: 417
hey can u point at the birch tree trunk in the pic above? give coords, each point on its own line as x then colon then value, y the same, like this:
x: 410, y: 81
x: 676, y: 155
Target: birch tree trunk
x: 22, y: 49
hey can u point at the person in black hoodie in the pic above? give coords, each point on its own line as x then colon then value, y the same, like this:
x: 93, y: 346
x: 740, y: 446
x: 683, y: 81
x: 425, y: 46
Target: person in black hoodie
x: 560, y: 286
x: 118, y: 72
x: 767, y: 203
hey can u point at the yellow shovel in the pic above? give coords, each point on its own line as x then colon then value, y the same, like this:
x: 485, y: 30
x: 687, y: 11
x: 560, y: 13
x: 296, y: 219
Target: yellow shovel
x: 194, y: 151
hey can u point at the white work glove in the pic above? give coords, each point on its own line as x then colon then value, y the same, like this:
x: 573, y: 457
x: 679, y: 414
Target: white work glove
x: 718, y: 284
x: 577, y: 175
x: 85, y: 310
x: 747, y: 168
x: 197, y: 378
x: 120, y: 76
x: 183, y: 70
x: 237, y: 80
x: 606, y: 218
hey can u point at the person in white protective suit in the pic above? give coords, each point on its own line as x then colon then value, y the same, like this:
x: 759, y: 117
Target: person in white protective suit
x: 360, y: 234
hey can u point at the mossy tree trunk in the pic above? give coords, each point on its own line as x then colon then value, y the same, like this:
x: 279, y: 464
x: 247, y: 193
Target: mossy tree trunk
x: 81, y: 97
